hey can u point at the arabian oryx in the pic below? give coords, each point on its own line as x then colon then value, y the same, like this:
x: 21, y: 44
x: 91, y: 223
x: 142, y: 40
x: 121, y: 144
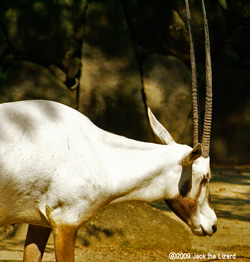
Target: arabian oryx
x: 57, y: 169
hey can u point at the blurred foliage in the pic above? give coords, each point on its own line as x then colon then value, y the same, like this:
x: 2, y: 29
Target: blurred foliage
x: 223, y: 3
x: 40, y: 31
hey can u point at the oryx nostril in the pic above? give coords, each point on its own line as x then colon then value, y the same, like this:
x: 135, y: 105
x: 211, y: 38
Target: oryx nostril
x: 214, y: 227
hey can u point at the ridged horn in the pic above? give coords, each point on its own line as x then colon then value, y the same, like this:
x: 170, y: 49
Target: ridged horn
x: 209, y: 94
x: 196, y: 129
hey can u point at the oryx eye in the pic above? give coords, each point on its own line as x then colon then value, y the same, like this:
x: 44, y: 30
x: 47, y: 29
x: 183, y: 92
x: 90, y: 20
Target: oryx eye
x: 204, y: 180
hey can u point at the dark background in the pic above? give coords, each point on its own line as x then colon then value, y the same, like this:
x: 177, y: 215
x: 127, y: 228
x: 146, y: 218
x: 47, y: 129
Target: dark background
x: 44, y: 46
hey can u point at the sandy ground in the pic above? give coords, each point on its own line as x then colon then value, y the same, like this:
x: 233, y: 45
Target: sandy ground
x: 138, y: 232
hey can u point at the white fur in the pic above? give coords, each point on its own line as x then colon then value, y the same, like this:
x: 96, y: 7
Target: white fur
x: 53, y: 156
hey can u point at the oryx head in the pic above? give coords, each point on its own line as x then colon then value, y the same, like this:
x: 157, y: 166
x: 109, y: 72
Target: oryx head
x: 192, y: 200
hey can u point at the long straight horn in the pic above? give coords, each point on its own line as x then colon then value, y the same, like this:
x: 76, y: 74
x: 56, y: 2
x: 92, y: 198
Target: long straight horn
x: 196, y: 129
x: 209, y: 95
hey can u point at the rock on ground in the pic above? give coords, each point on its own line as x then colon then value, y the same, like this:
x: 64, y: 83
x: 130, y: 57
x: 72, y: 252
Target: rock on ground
x: 110, y: 84
x: 167, y: 88
x: 27, y: 80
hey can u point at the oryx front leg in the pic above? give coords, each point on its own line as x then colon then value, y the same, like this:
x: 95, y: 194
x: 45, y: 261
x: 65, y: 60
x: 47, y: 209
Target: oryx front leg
x: 64, y: 238
x: 35, y: 243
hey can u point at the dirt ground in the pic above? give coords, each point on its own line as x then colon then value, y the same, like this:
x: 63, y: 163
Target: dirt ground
x: 139, y: 232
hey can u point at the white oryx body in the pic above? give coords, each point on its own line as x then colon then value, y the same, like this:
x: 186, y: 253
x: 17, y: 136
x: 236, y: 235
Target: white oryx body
x: 57, y: 169
x: 62, y: 159
x: 54, y: 157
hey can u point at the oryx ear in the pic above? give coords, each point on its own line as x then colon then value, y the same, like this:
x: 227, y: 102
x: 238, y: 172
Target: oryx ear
x: 193, y: 155
x: 161, y: 134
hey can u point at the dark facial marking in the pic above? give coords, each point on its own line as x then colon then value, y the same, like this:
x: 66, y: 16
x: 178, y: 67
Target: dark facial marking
x: 186, y: 176
x: 183, y: 205
x: 186, y: 187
